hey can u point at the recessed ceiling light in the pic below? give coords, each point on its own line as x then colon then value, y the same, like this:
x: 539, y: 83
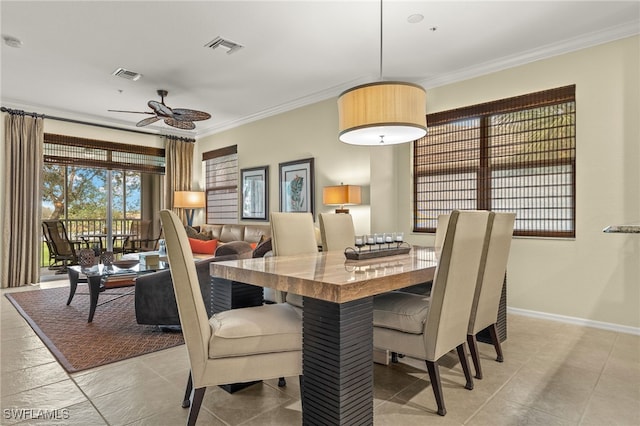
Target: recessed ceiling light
x: 12, y: 41
x: 415, y: 18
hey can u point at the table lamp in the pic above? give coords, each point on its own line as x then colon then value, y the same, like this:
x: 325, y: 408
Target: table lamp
x: 341, y: 195
x: 188, y: 200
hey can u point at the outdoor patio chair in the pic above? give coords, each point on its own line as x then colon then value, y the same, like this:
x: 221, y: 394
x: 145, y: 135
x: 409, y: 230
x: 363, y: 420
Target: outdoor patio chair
x: 61, y: 248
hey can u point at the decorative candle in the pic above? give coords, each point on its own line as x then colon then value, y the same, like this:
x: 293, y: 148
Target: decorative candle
x: 359, y: 242
x: 379, y: 239
x: 370, y: 239
x: 388, y: 238
x: 399, y: 237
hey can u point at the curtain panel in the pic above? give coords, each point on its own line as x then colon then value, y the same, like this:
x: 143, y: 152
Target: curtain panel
x: 179, y: 164
x: 22, y: 233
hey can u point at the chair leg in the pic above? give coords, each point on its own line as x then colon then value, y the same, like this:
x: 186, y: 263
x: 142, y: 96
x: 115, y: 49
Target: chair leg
x: 436, y: 384
x: 473, y: 348
x: 198, y: 395
x: 493, y: 331
x: 395, y: 356
x: 301, y: 378
x: 186, y: 402
x: 462, y: 354
x: 282, y: 382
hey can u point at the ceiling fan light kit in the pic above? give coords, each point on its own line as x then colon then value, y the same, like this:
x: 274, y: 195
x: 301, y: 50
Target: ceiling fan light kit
x: 180, y: 118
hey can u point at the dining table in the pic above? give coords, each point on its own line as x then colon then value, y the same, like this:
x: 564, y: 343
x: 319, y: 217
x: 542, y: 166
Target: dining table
x: 337, y: 318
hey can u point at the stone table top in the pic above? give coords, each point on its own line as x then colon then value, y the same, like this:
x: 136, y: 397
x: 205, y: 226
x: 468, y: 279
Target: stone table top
x: 330, y: 276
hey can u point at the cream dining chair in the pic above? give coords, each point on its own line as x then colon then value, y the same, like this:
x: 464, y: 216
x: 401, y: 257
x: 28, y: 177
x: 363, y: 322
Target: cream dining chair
x: 429, y: 327
x: 484, y: 310
x: 337, y: 231
x: 234, y: 346
x: 292, y: 233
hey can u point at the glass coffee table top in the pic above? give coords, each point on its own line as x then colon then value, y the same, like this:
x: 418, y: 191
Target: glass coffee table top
x: 97, y: 277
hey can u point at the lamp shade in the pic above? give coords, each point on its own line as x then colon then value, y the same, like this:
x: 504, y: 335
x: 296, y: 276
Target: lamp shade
x: 341, y: 195
x: 382, y: 113
x: 188, y: 199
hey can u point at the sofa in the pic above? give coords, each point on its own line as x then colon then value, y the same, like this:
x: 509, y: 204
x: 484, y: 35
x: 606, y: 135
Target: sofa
x: 155, y: 302
x: 205, y: 239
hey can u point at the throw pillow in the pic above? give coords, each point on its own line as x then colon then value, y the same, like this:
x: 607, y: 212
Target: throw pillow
x: 191, y: 233
x: 204, y: 235
x: 202, y: 246
x: 262, y: 248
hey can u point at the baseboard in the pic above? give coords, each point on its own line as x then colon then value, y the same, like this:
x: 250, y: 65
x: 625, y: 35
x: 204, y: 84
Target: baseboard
x: 576, y: 321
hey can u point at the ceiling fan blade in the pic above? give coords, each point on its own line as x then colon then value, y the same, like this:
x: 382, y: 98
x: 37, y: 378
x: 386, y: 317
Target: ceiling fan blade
x: 132, y: 112
x: 185, y: 125
x: 160, y: 109
x: 147, y: 121
x: 183, y: 114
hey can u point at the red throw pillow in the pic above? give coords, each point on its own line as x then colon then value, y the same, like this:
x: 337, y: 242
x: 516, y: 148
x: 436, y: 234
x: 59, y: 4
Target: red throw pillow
x: 203, y: 246
x: 254, y: 245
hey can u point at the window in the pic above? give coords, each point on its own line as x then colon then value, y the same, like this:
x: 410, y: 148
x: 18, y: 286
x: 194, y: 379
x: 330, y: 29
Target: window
x: 515, y: 154
x: 221, y: 185
x: 76, y: 176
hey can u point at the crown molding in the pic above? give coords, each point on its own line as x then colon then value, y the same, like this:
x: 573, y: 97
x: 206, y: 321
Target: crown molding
x: 554, y: 49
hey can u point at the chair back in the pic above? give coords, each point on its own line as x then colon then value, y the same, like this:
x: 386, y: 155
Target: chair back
x: 292, y: 233
x: 441, y: 230
x: 56, y: 234
x: 484, y: 310
x: 455, y: 280
x: 191, y: 309
x: 337, y: 231
x: 140, y: 228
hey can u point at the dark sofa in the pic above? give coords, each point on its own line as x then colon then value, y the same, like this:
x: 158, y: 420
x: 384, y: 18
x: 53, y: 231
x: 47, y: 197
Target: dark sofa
x: 155, y: 301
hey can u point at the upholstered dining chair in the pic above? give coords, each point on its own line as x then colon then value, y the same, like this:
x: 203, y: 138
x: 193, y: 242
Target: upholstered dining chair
x: 337, y: 231
x: 234, y: 346
x: 292, y: 233
x: 429, y: 327
x: 484, y: 310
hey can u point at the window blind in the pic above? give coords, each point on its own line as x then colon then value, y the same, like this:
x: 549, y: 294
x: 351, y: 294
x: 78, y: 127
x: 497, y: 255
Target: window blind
x: 82, y: 152
x: 221, y: 185
x: 516, y: 154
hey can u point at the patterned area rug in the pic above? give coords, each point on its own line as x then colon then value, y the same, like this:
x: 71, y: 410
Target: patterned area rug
x: 113, y: 335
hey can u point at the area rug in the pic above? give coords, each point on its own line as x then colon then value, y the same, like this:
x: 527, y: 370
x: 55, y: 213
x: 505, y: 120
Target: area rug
x: 113, y: 335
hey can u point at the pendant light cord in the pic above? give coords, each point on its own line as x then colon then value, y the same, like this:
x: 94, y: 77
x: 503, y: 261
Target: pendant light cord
x: 380, y: 77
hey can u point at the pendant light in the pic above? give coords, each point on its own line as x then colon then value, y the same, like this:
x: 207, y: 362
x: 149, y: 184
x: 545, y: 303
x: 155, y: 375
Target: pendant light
x: 382, y: 113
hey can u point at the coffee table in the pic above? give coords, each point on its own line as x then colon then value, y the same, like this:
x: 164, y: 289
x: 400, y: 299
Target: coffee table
x: 97, y: 277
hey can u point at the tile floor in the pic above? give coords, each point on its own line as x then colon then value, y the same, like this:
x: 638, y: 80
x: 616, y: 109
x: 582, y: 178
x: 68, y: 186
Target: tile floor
x: 553, y: 374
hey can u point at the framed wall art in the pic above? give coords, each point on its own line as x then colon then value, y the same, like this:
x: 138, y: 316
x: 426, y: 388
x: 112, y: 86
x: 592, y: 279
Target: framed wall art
x: 297, y: 186
x: 255, y: 193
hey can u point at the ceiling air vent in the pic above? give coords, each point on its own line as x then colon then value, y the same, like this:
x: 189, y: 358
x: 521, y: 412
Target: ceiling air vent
x: 129, y: 75
x: 228, y: 45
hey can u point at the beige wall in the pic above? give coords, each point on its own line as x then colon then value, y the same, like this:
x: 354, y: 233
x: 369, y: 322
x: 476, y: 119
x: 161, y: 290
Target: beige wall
x: 596, y: 276
x: 306, y: 132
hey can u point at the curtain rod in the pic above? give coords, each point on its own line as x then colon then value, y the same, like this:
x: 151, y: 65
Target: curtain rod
x: 104, y: 126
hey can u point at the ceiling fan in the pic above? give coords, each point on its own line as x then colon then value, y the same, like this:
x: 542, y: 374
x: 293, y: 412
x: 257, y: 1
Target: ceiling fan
x: 180, y: 118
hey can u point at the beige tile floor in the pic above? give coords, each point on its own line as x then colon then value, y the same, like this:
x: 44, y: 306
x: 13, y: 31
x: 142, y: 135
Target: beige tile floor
x: 553, y: 374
